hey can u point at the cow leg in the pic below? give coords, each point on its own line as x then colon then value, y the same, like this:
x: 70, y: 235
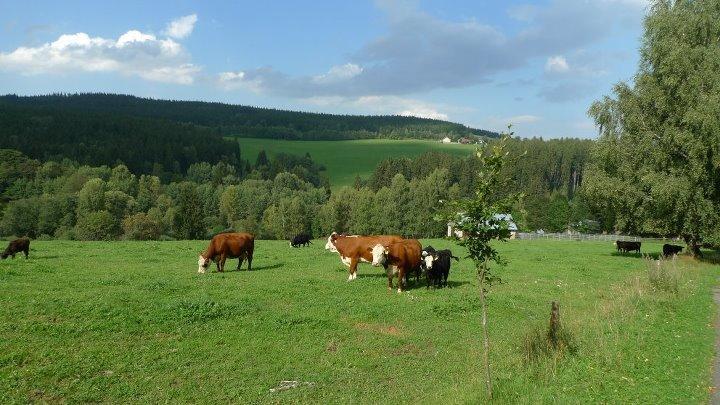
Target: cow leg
x: 26, y: 253
x: 221, y: 263
x: 240, y: 260
x: 401, y: 279
x: 353, y: 269
x: 390, y: 276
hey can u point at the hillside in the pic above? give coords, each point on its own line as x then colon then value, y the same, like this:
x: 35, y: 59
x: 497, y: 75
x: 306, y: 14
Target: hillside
x: 145, y: 145
x: 346, y: 159
x: 254, y: 122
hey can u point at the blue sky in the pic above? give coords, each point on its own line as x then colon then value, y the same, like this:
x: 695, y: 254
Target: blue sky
x: 537, y: 65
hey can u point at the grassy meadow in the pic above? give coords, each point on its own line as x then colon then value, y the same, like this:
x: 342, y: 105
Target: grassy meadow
x: 346, y: 159
x: 133, y: 321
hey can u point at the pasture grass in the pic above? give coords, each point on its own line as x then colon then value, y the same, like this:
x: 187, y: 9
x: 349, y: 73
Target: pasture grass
x: 346, y: 159
x: 134, y: 322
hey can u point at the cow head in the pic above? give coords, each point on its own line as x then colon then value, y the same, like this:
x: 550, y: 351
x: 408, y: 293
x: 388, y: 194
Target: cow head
x: 428, y: 260
x: 330, y: 245
x: 379, y: 255
x: 203, y: 264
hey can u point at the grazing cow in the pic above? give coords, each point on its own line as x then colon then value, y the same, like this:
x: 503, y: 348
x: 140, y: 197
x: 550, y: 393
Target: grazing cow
x: 302, y: 239
x: 398, y: 258
x: 627, y: 246
x: 17, y: 246
x: 437, y: 266
x: 227, y: 246
x: 354, y: 249
x: 670, y: 250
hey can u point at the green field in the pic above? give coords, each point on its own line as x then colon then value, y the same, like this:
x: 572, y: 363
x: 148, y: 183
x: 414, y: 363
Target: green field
x: 133, y: 322
x: 346, y: 159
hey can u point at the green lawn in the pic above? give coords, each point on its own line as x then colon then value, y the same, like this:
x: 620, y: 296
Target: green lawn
x: 346, y: 159
x: 133, y: 322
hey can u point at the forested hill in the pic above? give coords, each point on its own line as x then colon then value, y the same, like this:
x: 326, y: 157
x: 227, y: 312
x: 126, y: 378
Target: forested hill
x: 146, y: 145
x: 254, y: 122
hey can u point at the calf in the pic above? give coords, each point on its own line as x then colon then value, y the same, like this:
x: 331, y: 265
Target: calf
x: 16, y: 246
x: 437, y: 267
x: 670, y: 250
x: 627, y: 246
x: 302, y: 239
x: 398, y: 258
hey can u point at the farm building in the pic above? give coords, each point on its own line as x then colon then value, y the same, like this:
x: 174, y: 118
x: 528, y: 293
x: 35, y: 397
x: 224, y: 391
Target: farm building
x: 446, y: 140
x: 512, y: 227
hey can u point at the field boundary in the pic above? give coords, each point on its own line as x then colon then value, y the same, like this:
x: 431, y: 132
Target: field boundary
x: 589, y: 236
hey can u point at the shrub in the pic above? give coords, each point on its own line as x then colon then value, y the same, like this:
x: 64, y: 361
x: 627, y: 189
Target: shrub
x: 141, y: 227
x: 663, y: 274
x: 98, y: 225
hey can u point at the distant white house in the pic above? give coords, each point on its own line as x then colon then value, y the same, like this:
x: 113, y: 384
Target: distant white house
x: 512, y: 227
x: 446, y: 140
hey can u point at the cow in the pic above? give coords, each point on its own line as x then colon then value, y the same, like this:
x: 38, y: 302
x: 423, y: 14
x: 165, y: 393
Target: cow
x: 398, y: 258
x: 627, y: 246
x: 670, y: 250
x: 354, y: 249
x: 302, y: 239
x: 437, y: 266
x: 227, y: 246
x: 17, y: 246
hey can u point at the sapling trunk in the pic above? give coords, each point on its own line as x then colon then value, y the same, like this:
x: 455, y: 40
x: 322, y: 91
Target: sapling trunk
x: 486, y: 339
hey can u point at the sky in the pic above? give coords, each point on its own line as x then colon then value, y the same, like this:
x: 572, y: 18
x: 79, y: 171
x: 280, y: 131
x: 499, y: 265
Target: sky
x: 537, y: 65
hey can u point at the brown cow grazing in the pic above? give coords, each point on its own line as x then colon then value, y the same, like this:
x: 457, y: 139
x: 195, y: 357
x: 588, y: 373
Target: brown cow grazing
x: 225, y: 246
x: 17, y: 246
x: 398, y: 258
x: 354, y: 249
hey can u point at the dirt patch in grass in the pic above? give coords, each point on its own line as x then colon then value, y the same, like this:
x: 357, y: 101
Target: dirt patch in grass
x: 379, y: 328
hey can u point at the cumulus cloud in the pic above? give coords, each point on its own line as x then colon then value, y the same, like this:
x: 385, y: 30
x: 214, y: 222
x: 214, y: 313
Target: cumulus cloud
x: 181, y: 27
x: 556, y: 64
x: 133, y: 53
x: 421, y: 52
x: 385, y: 105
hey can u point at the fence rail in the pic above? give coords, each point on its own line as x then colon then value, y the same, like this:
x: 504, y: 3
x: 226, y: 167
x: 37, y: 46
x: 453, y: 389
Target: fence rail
x: 588, y: 236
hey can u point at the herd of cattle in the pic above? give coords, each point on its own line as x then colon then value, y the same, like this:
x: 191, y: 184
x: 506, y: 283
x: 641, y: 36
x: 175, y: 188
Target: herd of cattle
x: 630, y: 246
x: 398, y: 256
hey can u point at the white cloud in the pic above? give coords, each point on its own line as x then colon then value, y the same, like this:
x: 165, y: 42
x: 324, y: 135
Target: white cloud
x: 133, y: 53
x: 181, y: 27
x: 522, y: 119
x: 424, y: 113
x: 556, y: 64
x: 339, y: 73
x: 384, y: 105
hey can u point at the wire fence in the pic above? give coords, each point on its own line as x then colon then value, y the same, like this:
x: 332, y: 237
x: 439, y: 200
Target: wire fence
x: 588, y: 236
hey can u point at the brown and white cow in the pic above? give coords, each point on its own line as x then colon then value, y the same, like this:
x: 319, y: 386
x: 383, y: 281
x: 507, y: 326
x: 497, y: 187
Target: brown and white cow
x: 227, y: 246
x: 398, y: 258
x: 354, y: 249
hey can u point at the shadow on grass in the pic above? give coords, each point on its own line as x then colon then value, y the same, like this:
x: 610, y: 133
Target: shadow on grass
x: 710, y: 256
x: 266, y: 267
x: 635, y: 255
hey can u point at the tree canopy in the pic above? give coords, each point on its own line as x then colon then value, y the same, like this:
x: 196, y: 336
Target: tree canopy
x: 656, y: 165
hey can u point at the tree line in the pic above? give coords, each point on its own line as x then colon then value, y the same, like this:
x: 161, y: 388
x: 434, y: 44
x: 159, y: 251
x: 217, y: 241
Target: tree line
x: 71, y: 201
x: 252, y: 122
x: 548, y: 173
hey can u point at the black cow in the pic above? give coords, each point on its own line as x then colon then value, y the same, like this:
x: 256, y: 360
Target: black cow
x: 437, y: 266
x: 669, y: 250
x: 302, y: 239
x: 16, y: 246
x: 627, y: 246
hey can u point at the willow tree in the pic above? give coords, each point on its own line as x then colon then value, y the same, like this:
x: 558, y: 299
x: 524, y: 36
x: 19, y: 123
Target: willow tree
x: 657, y: 162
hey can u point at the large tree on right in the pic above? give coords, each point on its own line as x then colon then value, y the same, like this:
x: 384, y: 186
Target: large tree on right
x: 656, y: 165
